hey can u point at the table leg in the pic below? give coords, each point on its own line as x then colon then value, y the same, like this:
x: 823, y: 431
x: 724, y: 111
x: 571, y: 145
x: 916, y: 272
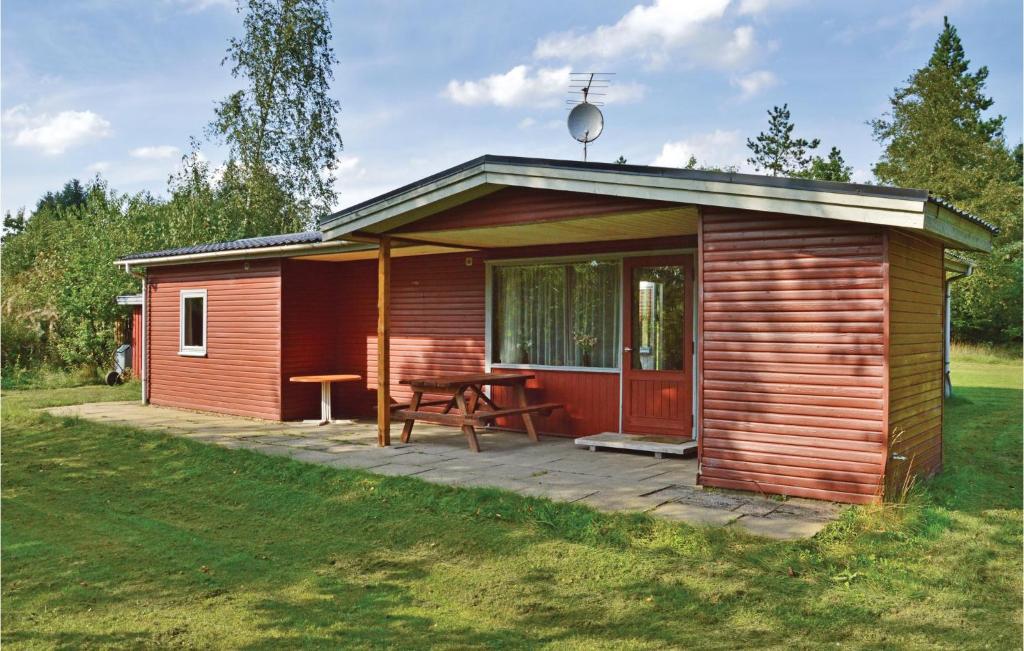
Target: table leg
x: 467, y: 429
x: 325, y: 403
x: 414, y: 405
x: 474, y: 398
x: 520, y: 392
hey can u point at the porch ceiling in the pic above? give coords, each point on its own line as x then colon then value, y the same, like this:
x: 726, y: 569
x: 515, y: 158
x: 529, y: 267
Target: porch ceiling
x: 661, y: 222
x: 397, y: 251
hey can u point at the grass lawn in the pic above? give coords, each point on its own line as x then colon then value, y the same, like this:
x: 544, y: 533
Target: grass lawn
x: 114, y: 537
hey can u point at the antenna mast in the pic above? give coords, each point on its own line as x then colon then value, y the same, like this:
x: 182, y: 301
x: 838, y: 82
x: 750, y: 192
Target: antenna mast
x: 586, y: 121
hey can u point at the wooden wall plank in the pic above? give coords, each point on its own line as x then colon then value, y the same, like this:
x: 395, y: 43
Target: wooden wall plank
x: 240, y: 373
x: 793, y: 355
x: 915, y: 388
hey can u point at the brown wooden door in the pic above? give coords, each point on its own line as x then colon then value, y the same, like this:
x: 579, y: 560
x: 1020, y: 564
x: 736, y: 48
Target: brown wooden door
x: 657, y: 357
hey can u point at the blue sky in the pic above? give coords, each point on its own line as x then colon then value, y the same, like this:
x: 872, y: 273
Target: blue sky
x: 118, y: 87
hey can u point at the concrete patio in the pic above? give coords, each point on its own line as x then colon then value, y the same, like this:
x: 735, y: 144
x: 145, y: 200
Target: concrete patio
x: 554, y: 469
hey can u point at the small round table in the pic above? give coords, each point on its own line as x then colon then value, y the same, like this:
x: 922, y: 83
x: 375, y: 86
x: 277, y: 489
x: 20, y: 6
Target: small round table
x: 325, y: 390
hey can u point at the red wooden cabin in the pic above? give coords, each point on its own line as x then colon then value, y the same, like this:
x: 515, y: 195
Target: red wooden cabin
x: 793, y: 328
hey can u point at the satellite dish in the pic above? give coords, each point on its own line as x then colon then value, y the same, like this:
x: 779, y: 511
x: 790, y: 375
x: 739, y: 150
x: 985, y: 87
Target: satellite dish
x: 586, y: 122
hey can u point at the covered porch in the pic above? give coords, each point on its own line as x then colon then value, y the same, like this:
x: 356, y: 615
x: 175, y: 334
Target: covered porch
x: 594, y: 297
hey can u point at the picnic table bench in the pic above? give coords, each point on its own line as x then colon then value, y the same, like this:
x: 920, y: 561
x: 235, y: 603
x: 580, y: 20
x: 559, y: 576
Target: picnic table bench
x: 468, y: 414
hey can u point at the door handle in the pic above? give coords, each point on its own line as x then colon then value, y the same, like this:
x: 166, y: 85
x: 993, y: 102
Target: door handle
x: 627, y: 349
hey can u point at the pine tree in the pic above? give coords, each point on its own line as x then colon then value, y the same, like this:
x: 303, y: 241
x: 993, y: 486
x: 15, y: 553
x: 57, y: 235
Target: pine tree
x: 778, y: 152
x: 833, y: 168
x: 937, y: 136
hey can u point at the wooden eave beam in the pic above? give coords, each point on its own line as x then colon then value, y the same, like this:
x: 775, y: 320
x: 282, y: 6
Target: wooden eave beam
x: 370, y: 238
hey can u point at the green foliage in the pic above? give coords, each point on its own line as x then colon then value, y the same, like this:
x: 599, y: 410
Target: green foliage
x: 777, y: 152
x: 937, y: 136
x: 60, y: 280
x: 833, y: 168
x: 14, y: 223
x: 284, y: 120
x: 56, y: 268
x: 71, y: 195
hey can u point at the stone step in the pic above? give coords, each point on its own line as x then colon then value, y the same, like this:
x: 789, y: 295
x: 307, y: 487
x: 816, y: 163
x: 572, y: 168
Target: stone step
x: 658, y: 445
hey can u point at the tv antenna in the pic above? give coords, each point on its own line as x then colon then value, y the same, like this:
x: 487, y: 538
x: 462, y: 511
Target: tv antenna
x: 585, y: 119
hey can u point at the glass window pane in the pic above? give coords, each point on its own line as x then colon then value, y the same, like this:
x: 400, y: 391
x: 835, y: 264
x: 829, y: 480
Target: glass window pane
x: 658, y: 313
x: 194, y: 321
x: 556, y: 314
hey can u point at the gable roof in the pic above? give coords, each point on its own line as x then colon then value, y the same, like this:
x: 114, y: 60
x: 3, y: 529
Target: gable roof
x: 891, y: 206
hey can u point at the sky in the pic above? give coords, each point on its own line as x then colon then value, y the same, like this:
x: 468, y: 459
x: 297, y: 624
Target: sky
x: 120, y: 87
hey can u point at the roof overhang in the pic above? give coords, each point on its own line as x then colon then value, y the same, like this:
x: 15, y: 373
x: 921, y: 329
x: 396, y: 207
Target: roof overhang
x: 896, y: 207
x: 287, y: 251
x: 129, y: 299
x: 956, y: 266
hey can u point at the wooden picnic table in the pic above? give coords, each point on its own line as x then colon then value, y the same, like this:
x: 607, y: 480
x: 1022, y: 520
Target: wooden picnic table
x: 325, y: 389
x: 478, y: 410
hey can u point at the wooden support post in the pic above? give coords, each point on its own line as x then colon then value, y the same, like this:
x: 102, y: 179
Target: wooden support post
x: 384, y: 342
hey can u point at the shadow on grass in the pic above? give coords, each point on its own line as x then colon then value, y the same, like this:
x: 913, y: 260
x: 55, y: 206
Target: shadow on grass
x: 116, y: 537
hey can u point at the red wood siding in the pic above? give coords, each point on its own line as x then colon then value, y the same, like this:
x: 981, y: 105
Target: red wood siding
x: 916, y: 301
x: 521, y: 205
x: 241, y: 372
x: 309, y: 312
x: 437, y: 327
x: 437, y: 319
x: 793, y: 374
x: 136, y: 341
x: 591, y: 401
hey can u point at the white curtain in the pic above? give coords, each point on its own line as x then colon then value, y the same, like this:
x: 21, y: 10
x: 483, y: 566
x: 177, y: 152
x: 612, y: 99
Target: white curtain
x: 557, y: 314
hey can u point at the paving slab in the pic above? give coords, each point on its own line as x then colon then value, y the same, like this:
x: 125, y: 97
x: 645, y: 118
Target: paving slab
x: 622, y: 500
x: 314, y: 456
x: 694, y: 514
x: 780, y: 528
x: 399, y: 469
x: 361, y: 460
x: 554, y: 468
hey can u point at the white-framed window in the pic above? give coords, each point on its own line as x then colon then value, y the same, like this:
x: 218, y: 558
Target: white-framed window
x: 556, y: 314
x: 192, y: 323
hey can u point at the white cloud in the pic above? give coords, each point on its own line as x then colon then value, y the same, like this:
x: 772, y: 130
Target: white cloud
x: 195, y: 6
x: 526, y: 123
x: 525, y: 86
x: 754, y: 83
x: 53, y: 134
x: 860, y: 175
x: 751, y: 7
x: 155, y: 152
x: 655, y: 33
x: 930, y: 14
x: 517, y: 87
x: 717, y: 148
x: 99, y: 167
x: 348, y: 165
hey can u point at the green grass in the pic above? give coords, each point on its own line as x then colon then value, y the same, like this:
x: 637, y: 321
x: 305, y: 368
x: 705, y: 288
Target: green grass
x: 115, y: 537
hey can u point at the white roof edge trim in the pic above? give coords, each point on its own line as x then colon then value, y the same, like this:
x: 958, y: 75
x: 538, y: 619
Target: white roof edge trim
x: 947, y: 225
x: 247, y: 254
x: 907, y: 213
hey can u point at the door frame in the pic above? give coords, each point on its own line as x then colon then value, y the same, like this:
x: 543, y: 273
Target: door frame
x: 688, y: 260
